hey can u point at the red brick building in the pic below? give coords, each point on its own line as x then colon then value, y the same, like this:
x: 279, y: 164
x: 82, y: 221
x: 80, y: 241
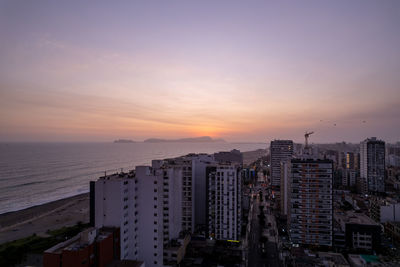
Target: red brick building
x: 91, y: 247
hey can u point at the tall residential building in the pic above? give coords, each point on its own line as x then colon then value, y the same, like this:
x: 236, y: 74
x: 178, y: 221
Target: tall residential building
x: 310, y: 210
x: 350, y: 173
x: 186, y: 175
x: 224, y: 202
x: 133, y: 203
x: 350, y: 164
x: 200, y: 163
x: 357, y: 161
x: 178, y: 180
x: 281, y: 150
x: 372, y: 161
x: 172, y: 197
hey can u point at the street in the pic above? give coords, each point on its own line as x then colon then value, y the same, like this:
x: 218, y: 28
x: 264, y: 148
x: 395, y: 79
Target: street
x: 256, y: 257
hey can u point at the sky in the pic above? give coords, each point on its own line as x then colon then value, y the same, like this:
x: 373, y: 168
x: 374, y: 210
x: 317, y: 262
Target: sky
x: 238, y: 70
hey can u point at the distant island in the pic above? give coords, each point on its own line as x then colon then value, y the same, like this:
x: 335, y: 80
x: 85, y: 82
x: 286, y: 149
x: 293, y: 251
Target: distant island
x: 124, y: 141
x: 202, y: 139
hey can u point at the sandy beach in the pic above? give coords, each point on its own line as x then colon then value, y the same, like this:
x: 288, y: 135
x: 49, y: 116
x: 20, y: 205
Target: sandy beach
x: 39, y: 219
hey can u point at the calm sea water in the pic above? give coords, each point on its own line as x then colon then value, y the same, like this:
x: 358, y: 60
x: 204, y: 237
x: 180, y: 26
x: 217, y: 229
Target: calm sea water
x: 37, y: 173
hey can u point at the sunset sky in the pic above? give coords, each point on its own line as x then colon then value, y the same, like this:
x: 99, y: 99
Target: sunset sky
x: 238, y: 70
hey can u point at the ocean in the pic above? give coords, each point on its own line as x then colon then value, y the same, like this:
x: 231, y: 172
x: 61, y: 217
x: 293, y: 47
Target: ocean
x: 36, y: 173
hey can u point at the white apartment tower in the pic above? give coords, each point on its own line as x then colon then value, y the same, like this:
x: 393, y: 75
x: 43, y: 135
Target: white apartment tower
x: 310, y: 211
x: 372, y: 164
x: 224, y: 202
x: 178, y: 195
x: 133, y: 202
x: 281, y: 151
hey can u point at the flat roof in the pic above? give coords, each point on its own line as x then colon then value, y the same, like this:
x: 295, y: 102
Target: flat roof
x: 337, y: 258
x: 77, y: 242
x: 119, y: 176
x: 353, y: 218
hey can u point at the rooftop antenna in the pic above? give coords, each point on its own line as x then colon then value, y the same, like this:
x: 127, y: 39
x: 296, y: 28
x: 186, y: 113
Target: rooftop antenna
x: 306, y: 136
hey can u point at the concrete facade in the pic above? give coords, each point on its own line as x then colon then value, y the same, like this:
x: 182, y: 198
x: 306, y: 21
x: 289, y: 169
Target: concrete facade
x: 281, y: 151
x: 311, y: 202
x: 372, y: 164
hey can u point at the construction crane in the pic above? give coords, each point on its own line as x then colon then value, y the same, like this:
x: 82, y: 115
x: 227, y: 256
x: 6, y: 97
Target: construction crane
x: 307, y: 135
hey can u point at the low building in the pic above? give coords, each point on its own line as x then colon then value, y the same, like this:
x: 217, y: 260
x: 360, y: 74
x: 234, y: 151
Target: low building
x: 175, y: 250
x: 333, y: 259
x: 361, y: 232
x: 91, y: 247
x: 305, y: 258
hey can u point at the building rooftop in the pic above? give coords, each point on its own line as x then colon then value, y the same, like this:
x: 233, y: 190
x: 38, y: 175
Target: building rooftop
x: 336, y: 258
x: 119, y: 176
x: 362, y: 260
x: 82, y: 240
x: 78, y: 242
x: 351, y: 217
x: 304, y: 257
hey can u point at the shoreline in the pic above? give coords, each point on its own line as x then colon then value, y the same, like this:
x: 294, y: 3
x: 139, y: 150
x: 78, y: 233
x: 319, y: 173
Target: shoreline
x: 6, y: 217
x: 41, y: 218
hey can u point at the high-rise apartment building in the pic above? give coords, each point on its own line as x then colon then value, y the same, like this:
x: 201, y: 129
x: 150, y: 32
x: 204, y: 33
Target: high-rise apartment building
x: 281, y: 150
x: 350, y: 164
x: 133, y: 203
x: 199, y: 166
x: 310, y: 209
x: 224, y: 202
x: 372, y: 164
x: 350, y: 173
x: 155, y: 206
x: 179, y: 190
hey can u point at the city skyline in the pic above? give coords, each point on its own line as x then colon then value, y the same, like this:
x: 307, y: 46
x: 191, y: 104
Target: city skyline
x: 238, y: 71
